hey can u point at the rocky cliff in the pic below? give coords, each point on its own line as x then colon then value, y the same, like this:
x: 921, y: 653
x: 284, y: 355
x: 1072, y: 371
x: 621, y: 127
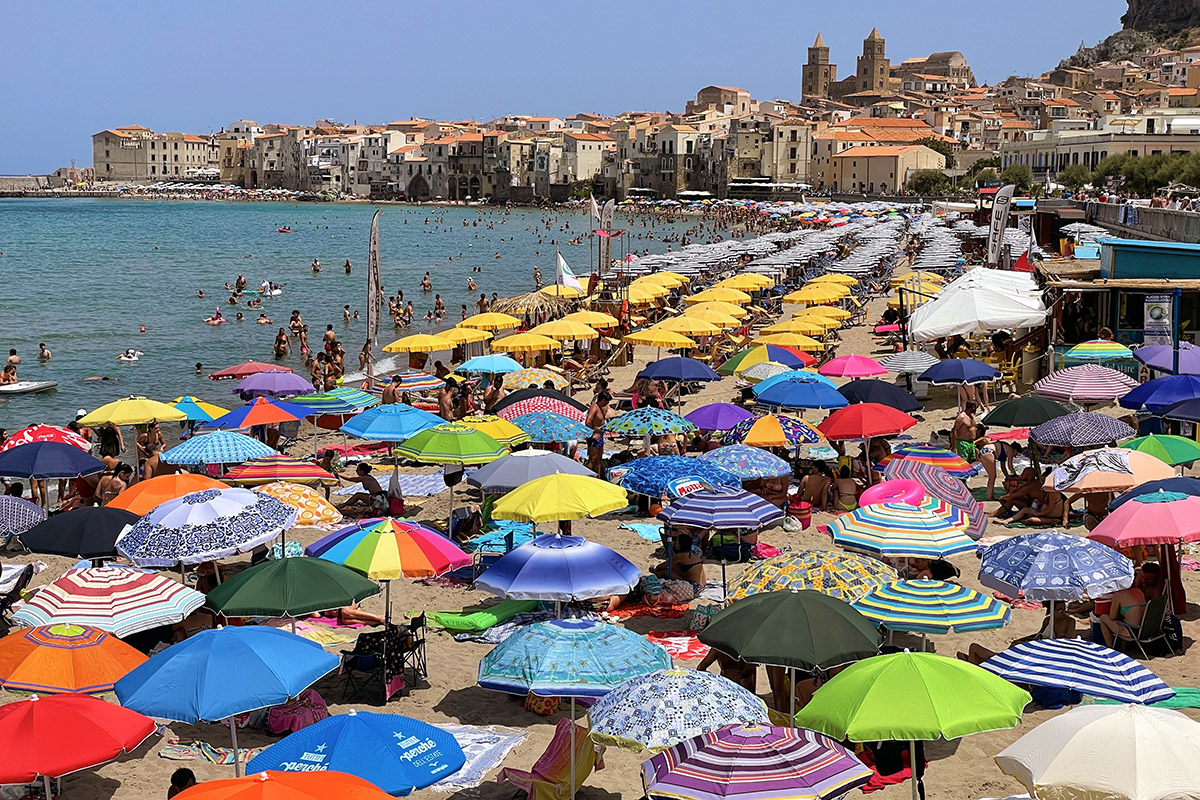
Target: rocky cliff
x: 1162, y: 16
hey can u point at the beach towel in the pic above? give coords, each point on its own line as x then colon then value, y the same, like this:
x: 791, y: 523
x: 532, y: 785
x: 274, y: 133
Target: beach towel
x: 1189, y: 564
x: 411, y: 485
x: 332, y: 622
x: 1017, y: 602
x: 178, y: 749
x: 681, y: 645
x: 485, y: 749
x: 468, y: 621
x: 1185, y: 697
x: 664, y: 610
x: 325, y: 638
x: 495, y: 540
x: 650, y: 531
x: 713, y: 592
x: 305, y: 709
x: 498, y: 633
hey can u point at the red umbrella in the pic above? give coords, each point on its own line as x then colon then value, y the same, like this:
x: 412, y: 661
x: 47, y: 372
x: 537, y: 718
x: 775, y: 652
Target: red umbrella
x: 49, y: 737
x: 45, y: 433
x: 240, y: 371
x: 864, y: 421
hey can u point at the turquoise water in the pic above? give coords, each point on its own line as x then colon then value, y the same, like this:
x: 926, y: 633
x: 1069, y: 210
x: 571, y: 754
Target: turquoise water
x: 83, y: 275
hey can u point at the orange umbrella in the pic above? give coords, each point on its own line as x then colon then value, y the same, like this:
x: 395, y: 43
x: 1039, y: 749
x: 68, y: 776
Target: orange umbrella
x: 60, y: 659
x: 144, y: 496
x: 1109, y: 469
x: 287, y: 786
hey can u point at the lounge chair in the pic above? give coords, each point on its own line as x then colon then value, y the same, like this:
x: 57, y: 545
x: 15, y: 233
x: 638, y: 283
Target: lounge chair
x: 550, y: 778
x: 1152, y: 628
x: 13, y: 595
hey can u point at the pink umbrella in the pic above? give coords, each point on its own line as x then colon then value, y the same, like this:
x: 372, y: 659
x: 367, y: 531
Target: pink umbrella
x: 1086, y: 384
x: 1152, y: 518
x: 45, y: 433
x: 851, y: 366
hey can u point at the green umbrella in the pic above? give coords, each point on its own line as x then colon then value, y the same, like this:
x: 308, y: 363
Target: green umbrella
x: 910, y: 697
x: 1173, y: 450
x: 452, y: 444
x: 1024, y: 412
x: 290, y: 587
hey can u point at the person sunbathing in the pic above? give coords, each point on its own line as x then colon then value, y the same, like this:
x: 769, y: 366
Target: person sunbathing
x: 1064, y: 628
x: 1050, y: 509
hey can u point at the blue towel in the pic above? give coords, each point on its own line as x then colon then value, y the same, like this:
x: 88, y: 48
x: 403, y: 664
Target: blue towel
x: 650, y: 531
x: 494, y: 540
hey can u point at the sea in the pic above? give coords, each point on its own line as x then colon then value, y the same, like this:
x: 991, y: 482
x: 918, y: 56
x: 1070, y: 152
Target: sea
x: 84, y: 276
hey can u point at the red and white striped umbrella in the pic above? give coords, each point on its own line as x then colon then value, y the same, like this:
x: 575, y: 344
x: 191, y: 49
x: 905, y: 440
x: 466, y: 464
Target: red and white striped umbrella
x: 1086, y: 383
x: 535, y: 404
x: 45, y: 433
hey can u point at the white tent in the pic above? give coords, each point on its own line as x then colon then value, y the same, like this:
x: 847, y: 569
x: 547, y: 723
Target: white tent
x: 982, y: 300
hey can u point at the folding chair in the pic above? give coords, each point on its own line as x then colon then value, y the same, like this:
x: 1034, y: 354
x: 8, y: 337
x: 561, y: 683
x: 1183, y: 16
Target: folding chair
x: 412, y: 649
x: 1152, y: 628
x: 363, y: 668
x: 13, y: 595
x: 551, y: 778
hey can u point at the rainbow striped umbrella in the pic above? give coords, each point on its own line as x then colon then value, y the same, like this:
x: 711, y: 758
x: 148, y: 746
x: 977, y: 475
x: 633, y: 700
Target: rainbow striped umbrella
x: 386, y: 549
x: 269, y: 469
x: 890, y: 530
x: 933, y: 456
x: 846, y: 576
x: 414, y: 380
x: 1099, y: 350
x: 931, y: 607
x: 342, y: 400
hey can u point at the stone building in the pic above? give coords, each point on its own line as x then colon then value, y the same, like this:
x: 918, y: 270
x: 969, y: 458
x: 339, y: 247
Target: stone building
x: 817, y: 76
x: 135, y: 154
x: 951, y: 65
x: 881, y: 169
x: 724, y: 99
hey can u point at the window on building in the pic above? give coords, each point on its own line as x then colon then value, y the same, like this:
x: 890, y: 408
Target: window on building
x: 153, y: 170
x: 106, y: 154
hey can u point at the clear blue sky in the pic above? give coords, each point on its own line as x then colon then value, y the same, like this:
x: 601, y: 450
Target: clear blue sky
x: 70, y: 69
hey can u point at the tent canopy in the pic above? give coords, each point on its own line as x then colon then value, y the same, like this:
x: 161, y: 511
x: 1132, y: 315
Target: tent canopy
x: 983, y: 299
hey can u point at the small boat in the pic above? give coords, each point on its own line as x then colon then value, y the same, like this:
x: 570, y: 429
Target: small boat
x: 28, y: 387
x: 283, y: 230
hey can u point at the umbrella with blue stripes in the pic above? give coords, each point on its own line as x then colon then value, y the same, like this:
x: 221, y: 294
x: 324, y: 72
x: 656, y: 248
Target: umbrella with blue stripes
x: 723, y: 509
x: 219, y: 447
x: 931, y: 607
x: 891, y: 530
x: 1084, y: 666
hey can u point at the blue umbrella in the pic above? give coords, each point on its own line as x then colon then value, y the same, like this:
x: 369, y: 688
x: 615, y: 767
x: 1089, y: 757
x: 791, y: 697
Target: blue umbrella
x: 1082, y: 666
x: 655, y: 476
x: 1054, y: 566
x: 546, y: 426
x: 396, y: 753
x: 493, y: 365
x: 1187, y: 410
x: 959, y: 370
x: 680, y: 370
x: 1178, y: 485
x: 47, y: 460
x: 874, y: 391
x: 724, y: 509
x: 517, y: 469
x: 747, y: 462
x: 394, y: 422
x: 1158, y: 394
x: 220, y: 447
x: 798, y: 390
x: 801, y: 375
x: 222, y: 672
x: 648, y: 422
x: 1162, y: 358
x: 559, y: 568
x: 718, y: 416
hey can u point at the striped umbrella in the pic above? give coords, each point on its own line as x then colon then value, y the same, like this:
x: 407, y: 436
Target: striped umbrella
x: 890, y: 530
x: 546, y: 426
x: 342, y: 400
x: 754, y: 761
x: 723, y: 509
x: 1086, y: 384
x: 524, y: 378
x: 197, y: 410
x: 910, y: 362
x: 773, y: 430
x: 931, y: 607
x: 386, y: 549
x: 452, y: 443
x: 498, y: 428
x: 526, y: 401
x: 18, y: 515
x: 219, y: 447
x: 1080, y: 665
x: 1099, y: 350
x: 61, y: 659
x: 952, y: 463
x: 846, y: 576
x: 1081, y: 429
x: 414, y: 380
x: 788, y: 356
x: 269, y: 469
x: 939, y: 483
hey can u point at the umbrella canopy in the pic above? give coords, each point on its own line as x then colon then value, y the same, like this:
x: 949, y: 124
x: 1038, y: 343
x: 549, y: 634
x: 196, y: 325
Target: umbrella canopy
x: 18, y: 515
x: 648, y: 422
x: 338, y: 402
x: 288, y: 786
x: 952, y: 463
x: 679, y: 370
x: 220, y: 672
x: 205, y: 526
x: 721, y: 319
x: 718, y: 416
x: 394, y: 422
x: 959, y: 371
x: 1173, y: 450
x: 516, y: 469
x: 1161, y: 357
x: 197, y: 410
x: 747, y: 462
x: 943, y: 697
x: 1148, y: 519
x: 940, y: 484
x: 796, y: 340
x: 729, y: 509
x: 593, y: 319
x: 418, y: 343
x: 658, y: 337
x: 262, y: 411
x: 269, y: 469
x: 983, y: 299
x: 48, y: 460
x: 1175, y: 485
x: 1024, y: 412
x: 61, y: 659
x: 463, y: 335
x: 565, y: 330
x: 525, y: 343
x: 49, y: 737
x: 387, y: 549
x: 788, y: 356
x: 144, y: 496
x: 832, y: 277
x: 245, y: 369
x: 1161, y: 393
x: 773, y: 430
x: 397, y: 754
x: 798, y: 390
x: 272, y: 383
x: 931, y: 607
x: 527, y: 401
x: 1124, y: 752
x: 763, y: 371
x: 930, y: 530
x: 1081, y: 429
x: 800, y: 629
x: 451, y: 443
x: 886, y: 394
x: 312, y: 508
x: 864, y: 421
x: 569, y: 658
x: 669, y: 706
x: 132, y: 410
x: 219, y: 447
x: 908, y: 362
x: 754, y: 761
x: 1109, y: 469
x: 524, y: 378
x: 852, y: 366
x: 546, y: 426
x: 747, y: 281
x: 498, y: 428
x: 45, y: 433
x: 732, y: 309
x: 1082, y: 666
x: 490, y: 364
x: 88, y: 532
x: 559, y: 568
x: 114, y: 599
x: 808, y: 326
x: 689, y: 326
x: 1187, y: 410
x: 1086, y: 383
x: 1054, y: 566
x: 290, y: 587
x: 673, y: 476
x: 846, y: 576
x: 721, y: 295
x: 1098, y: 350
x: 560, y: 496
x: 492, y: 321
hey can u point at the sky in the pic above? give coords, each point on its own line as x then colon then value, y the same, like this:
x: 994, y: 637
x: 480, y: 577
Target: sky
x: 71, y: 69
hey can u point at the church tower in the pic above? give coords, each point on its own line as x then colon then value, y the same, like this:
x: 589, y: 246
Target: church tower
x: 873, y: 65
x: 818, y: 74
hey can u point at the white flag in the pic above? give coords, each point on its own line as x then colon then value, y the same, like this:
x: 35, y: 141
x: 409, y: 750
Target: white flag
x: 595, y: 210
x: 565, y: 276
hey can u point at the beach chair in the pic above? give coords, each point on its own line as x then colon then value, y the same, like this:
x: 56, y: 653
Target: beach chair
x: 1010, y: 371
x: 412, y: 650
x: 1151, y: 630
x: 13, y: 595
x: 857, y: 309
x: 374, y: 665
x: 551, y: 778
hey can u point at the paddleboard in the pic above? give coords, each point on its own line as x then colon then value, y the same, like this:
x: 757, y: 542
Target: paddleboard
x: 28, y: 387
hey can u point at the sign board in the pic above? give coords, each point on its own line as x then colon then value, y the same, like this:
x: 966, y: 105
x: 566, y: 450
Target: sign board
x: 1158, y: 319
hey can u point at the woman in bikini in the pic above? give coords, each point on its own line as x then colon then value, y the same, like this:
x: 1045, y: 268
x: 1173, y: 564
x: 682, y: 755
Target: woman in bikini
x: 1048, y: 509
x: 845, y: 491
x: 372, y: 500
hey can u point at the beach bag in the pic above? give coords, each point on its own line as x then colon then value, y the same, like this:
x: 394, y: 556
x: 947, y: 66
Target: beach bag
x: 543, y: 706
x: 305, y: 709
x: 676, y: 593
x: 697, y: 619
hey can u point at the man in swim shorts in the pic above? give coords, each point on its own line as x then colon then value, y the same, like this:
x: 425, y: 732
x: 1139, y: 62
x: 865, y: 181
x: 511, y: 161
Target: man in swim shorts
x: 965, y: 432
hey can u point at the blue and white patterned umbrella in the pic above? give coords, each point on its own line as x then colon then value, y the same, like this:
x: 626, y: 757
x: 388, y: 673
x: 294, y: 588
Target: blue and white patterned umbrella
x: 1084, y: 666
x: 546, y: 426
x: 747, y: 462
x: 649, y: 422
x: 1082, y: 429
x: 724, y: 509
x: 18, y: 515
x: 219, y: 447
x: 205, y: 526
x: 1054, y: 566
x: 655, y: 476
x: 559, y: 568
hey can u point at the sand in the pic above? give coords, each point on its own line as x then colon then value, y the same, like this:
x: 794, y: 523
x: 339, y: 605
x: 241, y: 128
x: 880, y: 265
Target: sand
x: 958, y: 770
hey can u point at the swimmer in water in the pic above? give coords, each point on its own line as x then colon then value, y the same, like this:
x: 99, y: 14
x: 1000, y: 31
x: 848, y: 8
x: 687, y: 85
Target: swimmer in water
x: 316, y: 265
x: 199, y: 293
x: 199, y: 368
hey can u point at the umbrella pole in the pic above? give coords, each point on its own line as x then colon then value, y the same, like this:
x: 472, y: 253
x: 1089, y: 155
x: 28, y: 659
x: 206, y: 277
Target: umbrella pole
x: 923, y: 644
x: 387, y: 604
x: 912, y: 768
x: 217, y: 572
x: 237, y: 760
x: 46, y: 783
x: 1051, y: 619
x: 792, y: 692
x: 572, y: 778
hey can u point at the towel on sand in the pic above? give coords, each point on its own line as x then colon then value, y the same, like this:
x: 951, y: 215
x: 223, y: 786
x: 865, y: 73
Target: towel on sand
x: 629, y: 610
x: 650, y: 531
x: 485, y: 749
x: 679, y: 644
x: 1185, y: 697
x: 178, y: 749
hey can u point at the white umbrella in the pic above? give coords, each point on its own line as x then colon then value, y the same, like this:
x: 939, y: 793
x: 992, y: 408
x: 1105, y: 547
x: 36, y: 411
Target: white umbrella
x: 1103, y: 752
x: 983, y: 299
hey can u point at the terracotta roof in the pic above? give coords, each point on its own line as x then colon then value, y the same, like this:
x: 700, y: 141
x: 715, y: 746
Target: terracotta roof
x: 866, y: 151
x: 590, y: 137
x: 1179, y: 91
x: 727, y: 89
x: 191, y: 137
x: 846, y: 136
x: 1060, y: 102
x: 118, y: 132
x: 132, y: 128
x: 880, y: 123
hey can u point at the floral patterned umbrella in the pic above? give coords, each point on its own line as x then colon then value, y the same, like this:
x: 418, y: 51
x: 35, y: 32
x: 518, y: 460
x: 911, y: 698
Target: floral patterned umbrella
x: 655, y: 476
x: 18, y: 515
x: 649, y: 422
x: 546, y: 426
x: 747, y: 462
x: 313, y: 509
x: 847, y: 576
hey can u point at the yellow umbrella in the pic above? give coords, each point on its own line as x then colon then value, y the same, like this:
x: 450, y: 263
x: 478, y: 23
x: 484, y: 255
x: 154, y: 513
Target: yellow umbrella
x: 746, y: 282
x: 721, y: 320
x: 418, y: 343
x: 810, y: 327
x: 492, y: 321
x: 593, y: 319
x: 828, y: 312
x: 560, y: 496
x: 718, y: 295
x: 561, y: 291
x: 642, y: 295
x: 797, y: 340
x: 134, y: 410
x: 915, y: 284
x: 817, y: 294
x: 464, y: 335
x: 732, y: 309
x: 668, y: 279
x: 564, y: 330
x: 657, y: 337
x: 524, y: 343
x: 834, y: 277
x: 498, y: 428
x: 650, y: 287
x: 931, y: 277
x: 689, y: 326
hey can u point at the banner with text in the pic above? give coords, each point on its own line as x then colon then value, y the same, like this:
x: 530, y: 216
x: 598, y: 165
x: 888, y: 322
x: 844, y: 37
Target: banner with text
x: 1157, y: 326
x: 1001, y: 204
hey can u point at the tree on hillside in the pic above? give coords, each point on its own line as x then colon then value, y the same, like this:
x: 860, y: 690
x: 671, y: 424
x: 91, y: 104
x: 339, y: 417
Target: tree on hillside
x: 929, y: 181
x: 1019, y: 175
x: 939, y: 146
x: 1075, y: 176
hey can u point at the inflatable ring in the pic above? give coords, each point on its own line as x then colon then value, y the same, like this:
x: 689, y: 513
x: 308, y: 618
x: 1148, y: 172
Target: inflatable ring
x: 897, y: 491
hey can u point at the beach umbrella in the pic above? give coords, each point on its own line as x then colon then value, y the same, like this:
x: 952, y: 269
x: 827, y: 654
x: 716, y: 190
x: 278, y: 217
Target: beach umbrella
x: 48, y: 460
x: 758, y: 761
x: 64, y: 659
x: 747, y: 462
x: 1024, y: 412
x: 89, y: 532
x: 205, y: 526
x: 1175, y: 485
x: 18, y: 515
x: 452, y: 443
x: 337, y: 402
x: 807, y: 326
x: 657, y: 337
x: 757, y: 354
x: 673, y: 476
x: 908, y: 362
x: 1172, y: 450
x: 198, y: 410
x: 526, y: 401
x: 498, y: 428
x: 565, y: 330
x: 1109, y: 469
x: 1095, y: 752
x: 679, y: 370
x: 717, y: 416
x: 280, y: 467
x: 593, y: 319
x: 852, y: 366
x: 272, y: 383
x: 925, y: 607
x: 938, y: 483
x: 796, y: 340
x: 1053, y: 566
x: 721, y: 319
x: 132, y: 410
x: 119, y: 600
x: 1081, y: 666
x: 895, y: 530
x: 773, y: 430
x: 460, y: 336
x: 525, y: 343
x: 762, y: 371
x: 1098, y: 350
x: 798, y: 390
x: 648, y: 422
x: 559, y: 568
x: 817, y: 294
x: 689, y: 326
x: 746, y: 281
x: 864, y: 421
x: 731, y: 309
x: 397, y: 754
x: 829, y: 312
x: 846, y: 576
x: 45, y: 433
x: 307, y: 785
x: 669, y: 706
x: 833, y: 277
x: 490, y: 364
x: 1188, y: 410
x: 718, y: 295
x: 1153, y: 518
x: 1086, y: 384
x: 516, y: 469
x: 1161, y: 357
x: 245, y: 369
x: 721, y: 510
x: 393, y: 422
x: 952, y: 463
x: 418, y: 343
x: 524, y: 378
x: 221, y: 672
x: 1162, y: 393
x: 562, y: 291
x: 959, y: 371
x: 387, y: 549
x: 492, y: 321
x: 560, y: 496
x: 262, y: 411
x: 145, y: 496
x: 942, y: 698
x: 546, y: 426
x: 313, y: 509
x: 1081, y: 429
x: 290, y: 587
x: 874, y: 391
x: 49, y: 737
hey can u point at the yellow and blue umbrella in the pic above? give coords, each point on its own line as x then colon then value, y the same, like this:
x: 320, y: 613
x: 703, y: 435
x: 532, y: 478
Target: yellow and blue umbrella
x: 847, y: 576
x: 894, y: 530
x: 534, y: 376
x: 931, y: 607
x: 197, y: 410
x: 773, y: 430
x: 1099, y: 350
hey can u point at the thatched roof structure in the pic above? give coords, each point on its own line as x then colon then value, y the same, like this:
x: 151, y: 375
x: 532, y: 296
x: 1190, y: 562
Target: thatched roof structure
x: 533, y: 302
